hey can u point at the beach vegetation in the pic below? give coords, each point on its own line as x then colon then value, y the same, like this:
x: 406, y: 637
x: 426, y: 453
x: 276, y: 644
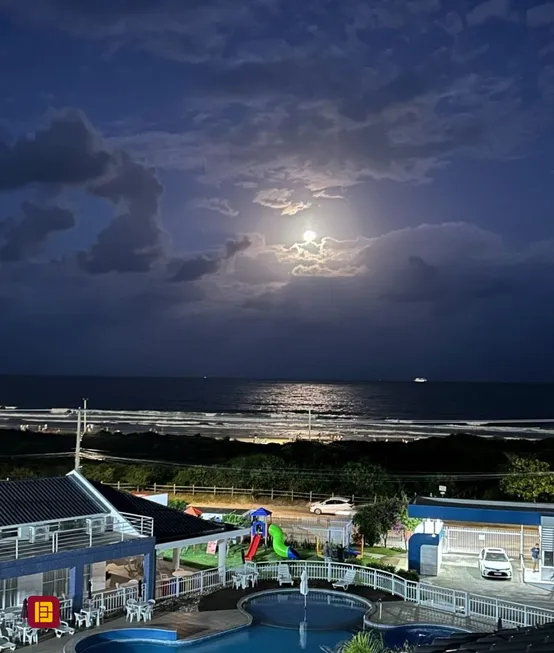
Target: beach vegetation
x: 529, y: 479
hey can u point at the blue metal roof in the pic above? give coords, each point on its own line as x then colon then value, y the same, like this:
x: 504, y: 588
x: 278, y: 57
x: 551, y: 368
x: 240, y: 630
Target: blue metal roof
x: 481, y: 512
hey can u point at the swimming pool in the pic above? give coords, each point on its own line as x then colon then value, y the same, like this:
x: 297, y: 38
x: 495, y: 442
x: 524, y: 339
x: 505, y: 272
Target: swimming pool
x: 281, y: 622
x: 319, y: 610
x: 253, y: 638
x: 414, y: 634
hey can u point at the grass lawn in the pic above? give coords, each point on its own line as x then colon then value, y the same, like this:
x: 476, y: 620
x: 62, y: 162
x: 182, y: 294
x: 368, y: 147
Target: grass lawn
x: 199, y: 559
x: 382, y: 551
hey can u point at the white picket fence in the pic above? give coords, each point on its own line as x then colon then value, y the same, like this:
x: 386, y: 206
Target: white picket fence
x: 457, y: 602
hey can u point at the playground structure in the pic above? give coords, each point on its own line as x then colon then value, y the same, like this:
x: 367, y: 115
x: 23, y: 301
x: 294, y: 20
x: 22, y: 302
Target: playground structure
x: 262, y: 530
x: 279, y: 546
x: 261, y: 519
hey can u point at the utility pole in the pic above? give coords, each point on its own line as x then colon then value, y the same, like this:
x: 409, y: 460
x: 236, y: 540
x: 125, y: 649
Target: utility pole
x: 78, y: 443
x: 85, y: 415
x: 309, y: 423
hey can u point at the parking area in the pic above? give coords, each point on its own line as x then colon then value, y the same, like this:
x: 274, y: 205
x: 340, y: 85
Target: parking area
x: 461, y: 572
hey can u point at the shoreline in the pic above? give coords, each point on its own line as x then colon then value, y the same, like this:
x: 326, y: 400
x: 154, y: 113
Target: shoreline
x: 263, y: 428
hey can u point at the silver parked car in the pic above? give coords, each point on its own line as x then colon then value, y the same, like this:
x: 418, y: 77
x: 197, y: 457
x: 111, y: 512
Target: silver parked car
x: 332, y: 506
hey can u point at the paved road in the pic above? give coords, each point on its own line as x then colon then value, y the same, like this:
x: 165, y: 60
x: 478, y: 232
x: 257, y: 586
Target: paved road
x: 460, y: 572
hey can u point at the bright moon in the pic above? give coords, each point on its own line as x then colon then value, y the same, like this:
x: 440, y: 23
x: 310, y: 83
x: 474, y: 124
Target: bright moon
x: 310, y: 236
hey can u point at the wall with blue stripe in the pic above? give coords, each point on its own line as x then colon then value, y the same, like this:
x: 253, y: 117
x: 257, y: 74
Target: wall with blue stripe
x: 475, y: 515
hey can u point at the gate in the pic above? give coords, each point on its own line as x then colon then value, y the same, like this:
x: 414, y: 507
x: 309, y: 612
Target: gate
x: 472, y: 540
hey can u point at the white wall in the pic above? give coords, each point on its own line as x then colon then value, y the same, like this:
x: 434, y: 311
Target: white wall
x: 29, y: 586
x: 98, y: 576
x: 162, y: 499
x: 429, y: 526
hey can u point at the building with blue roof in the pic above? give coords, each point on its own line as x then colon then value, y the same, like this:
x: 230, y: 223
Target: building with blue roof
x: 513, y: 525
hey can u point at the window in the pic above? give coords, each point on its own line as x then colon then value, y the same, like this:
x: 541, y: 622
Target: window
x: 87, y: 578
x: 55, y: 583
x: 8, y: 593
x: 496, y: 556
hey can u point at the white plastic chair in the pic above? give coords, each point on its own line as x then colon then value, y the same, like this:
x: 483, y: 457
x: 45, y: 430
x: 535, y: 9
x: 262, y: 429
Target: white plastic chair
x: 347, y: 580
x: 132, y: 611
x: 30, y: 636
x: 6, y: 644
x: 64, y: 629
x: 80, y: 619
x: 283, y: 575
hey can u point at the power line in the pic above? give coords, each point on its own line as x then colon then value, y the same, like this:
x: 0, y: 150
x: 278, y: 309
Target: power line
x: 310, y: 473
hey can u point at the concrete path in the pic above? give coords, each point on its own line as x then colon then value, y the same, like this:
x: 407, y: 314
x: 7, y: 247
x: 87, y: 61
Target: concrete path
x: 401, y: 612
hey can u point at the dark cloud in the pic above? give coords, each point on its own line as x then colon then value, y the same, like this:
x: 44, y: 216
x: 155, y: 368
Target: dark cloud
x: 234, y: 247
x: 66, y: 152
x: 24, y: 237
x: 196, y: 267
x: 69, y: 152
x: 133, y: 241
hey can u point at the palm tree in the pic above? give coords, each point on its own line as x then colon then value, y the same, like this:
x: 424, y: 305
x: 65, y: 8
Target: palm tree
x: 366, y: 642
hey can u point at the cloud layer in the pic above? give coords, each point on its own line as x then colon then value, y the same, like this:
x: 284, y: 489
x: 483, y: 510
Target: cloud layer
x: 275, y: 115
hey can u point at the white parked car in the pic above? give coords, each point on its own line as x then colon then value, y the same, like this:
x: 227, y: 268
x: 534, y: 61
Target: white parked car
x: 332, y: 506
x: 494, y: 563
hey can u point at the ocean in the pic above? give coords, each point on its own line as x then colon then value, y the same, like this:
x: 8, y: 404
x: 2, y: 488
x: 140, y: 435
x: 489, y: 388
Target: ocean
x: 276, y: 409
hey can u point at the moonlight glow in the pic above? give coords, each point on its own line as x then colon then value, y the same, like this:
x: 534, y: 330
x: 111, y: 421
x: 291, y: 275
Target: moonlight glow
x: 310, y: 236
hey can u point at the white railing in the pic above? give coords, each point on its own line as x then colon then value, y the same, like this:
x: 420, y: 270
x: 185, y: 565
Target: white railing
x: 114, y: 600
x: 457, y: 602
x: 143, y: 525
x: 51, y: 537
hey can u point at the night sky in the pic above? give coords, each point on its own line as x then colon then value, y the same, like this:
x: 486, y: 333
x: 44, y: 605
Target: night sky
x: 162, y: 160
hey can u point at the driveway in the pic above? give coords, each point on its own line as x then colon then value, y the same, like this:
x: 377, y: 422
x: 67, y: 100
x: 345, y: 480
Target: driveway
x: 461, y: 572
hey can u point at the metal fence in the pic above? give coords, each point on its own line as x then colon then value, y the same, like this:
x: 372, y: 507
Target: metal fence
x: 444, y: 600
x: 472, y: 540
x: 213, y: 490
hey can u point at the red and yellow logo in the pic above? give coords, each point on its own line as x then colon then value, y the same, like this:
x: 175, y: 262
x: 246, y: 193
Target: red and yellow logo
x: 43, y: 612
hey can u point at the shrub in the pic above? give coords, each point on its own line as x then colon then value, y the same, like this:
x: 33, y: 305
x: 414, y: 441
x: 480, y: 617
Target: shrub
x: 178, y: 504
x: 373, y: 563
x: 408, y: 574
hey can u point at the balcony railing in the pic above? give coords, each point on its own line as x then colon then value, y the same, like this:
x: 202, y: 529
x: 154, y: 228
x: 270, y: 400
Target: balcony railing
x: 52, y: 537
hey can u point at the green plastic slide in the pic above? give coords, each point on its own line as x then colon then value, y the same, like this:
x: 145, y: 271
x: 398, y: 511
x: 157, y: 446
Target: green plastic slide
x: 279, y: 546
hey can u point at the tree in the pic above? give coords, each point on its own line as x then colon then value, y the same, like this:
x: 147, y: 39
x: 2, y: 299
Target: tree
x: 529, y: 479
x: 364, y: 479
x: 375, y: 520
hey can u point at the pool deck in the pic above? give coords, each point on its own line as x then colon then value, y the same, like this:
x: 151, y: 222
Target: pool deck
x: 189, y: 625
x: 402, y: 612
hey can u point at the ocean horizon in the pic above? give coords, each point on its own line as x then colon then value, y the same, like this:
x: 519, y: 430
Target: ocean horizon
x: 277, y: 408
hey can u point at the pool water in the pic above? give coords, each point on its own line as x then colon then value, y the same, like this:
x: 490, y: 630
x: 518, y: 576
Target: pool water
x: 255, y: 638
x: 319, y: 610
x: 284, y: 622
x: 416, y: 634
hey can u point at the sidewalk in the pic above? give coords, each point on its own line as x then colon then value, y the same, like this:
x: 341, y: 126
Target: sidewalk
x: 401, y: 612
